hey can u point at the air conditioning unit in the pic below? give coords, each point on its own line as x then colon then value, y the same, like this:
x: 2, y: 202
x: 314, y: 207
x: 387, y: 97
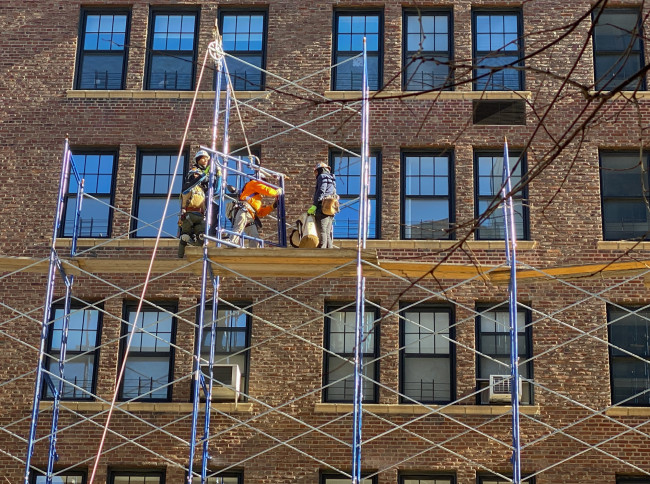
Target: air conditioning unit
x: 501, y: 387
x: 226, y: 382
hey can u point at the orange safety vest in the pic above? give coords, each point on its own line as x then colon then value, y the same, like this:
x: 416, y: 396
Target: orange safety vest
x: 252, y: 195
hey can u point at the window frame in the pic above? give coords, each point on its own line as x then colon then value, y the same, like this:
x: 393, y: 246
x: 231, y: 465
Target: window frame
x: 522, y: 195
x: 137, y: 196
x: 487, y: 479
x: 95, y: 353
x: 244, y: 308
x: 404, y: 476
x: 33, y: 477
x: 324, y: 477
x: 630, y: 199
x: 477, y: 55
x: 632, y: 480
x: 481, y: 387
x: 377, y: 154
x: 404, y: 196
x: 331, y: 308
x: 113, y: 473
x: 68, y: 197
x: 448, y: 85
x: 336, y: 52
x: 641, y: 54
x: 628, y: 402
x: 151, y: 52
x: 451, y: 356
x: 169, y: 308
x: 224, y: 11
x: 81, y: 52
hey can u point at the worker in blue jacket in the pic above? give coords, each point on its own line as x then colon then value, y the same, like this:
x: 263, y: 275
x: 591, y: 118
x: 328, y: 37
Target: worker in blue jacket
x: 325, y: 204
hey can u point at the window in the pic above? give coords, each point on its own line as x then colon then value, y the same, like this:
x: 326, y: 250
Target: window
x: 427, y: 190
x: 172, y: 50
x: 136, y: 477
x: 426, y: 479
x: 427, y: 372
x: 428, y: 41
x: 232, y: 343
x: 226, y: 478
x: 342, y: 479
x: 629, y: 352
x: 618, y: 53
x: 244, y: 36
x: 150, y: 360
x: 347, y: 169
x: 489, y: 178
x: 632, y: 480
x: 70, y: 477
x: 349, y: 30
x: 497, y: 480
x: 97, y: 169
x: 493, y: 343
x: 338, y: 378
x: 155, y: 174
x: 497, y: 43
x: 624, y: 187
x: 102, y: 49
x: 499, y: 112
x: 80, y: 370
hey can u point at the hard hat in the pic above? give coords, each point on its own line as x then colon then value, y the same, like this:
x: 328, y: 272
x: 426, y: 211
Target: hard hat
x: 201, y: 154
x: 321, y: 164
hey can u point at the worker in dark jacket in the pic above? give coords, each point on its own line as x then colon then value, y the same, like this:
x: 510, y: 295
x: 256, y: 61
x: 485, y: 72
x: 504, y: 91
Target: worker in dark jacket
x: 325, y: 189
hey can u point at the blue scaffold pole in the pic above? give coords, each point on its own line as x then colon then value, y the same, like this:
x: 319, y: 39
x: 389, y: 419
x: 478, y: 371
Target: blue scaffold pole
x: 364, y: 217
x: 511, y: 258
x: 47, y: 307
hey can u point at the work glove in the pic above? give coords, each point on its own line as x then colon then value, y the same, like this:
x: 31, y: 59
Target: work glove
x: 311, y: 210
x: 279, y: 192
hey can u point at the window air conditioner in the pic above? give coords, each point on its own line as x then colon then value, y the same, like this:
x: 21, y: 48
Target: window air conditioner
x: 226, y: 381
x: 500, y: 388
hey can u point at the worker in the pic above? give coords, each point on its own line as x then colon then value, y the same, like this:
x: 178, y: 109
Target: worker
x: 325, y: 204
x: 250, y: 209
x: 193, y: 202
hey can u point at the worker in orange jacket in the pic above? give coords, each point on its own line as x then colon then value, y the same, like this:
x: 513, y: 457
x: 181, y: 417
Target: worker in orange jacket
x: 250, y: 209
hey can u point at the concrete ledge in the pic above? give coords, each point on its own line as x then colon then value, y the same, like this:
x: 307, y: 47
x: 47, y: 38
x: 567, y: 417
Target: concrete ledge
x: 396, y: 409
x: 628, y: 412
x: 435, y: 95
x: 153, y: 407
x: 435, y: 244
x: 624, y: 94
x: 140, y: 242
x: 123, y: 94
x: 622, y: 245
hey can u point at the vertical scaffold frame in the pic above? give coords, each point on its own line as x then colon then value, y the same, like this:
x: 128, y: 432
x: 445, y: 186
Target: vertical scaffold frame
x: 55, y: 265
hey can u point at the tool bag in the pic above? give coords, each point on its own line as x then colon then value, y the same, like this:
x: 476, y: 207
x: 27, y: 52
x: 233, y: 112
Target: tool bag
x: 330, y: 205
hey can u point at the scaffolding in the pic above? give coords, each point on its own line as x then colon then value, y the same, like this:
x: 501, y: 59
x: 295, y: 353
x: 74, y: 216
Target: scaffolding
x: 213, y: 261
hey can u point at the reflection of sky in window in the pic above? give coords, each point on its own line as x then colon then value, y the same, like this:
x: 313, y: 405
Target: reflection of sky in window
x: 82, y: 329
x: 495, y: 32
x: 154, y: 331
x: 490, y: 174
x: 348, y: 174
x: 156, y: 174
x: 242, y: 32
x: 352, y: 30
x: 432, y: 33
x: 105, y: 32
x: 342, y: 332
x: 173, y: 32
x: 97, y: 172
x: 419, y: 329
x: 427, y: 175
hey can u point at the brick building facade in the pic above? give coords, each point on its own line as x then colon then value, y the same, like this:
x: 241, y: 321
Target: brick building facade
x: 118, y: 79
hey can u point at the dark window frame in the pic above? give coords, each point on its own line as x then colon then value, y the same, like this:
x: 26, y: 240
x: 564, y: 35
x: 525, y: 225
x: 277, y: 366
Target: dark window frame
x: 403, y: 476
x: 482, y: 383
x: 477, y: 55
x: 81, y: 52
x: 448, y: 84
x: 336, y: 52
x: 73, y: 196
x: 377, y: 154
x: 166, y: 307
x: 522, y: 196
x: 606, y: 52
x: 481, y: 479
x: 631, y: 199
x: 404, y: 196
x: 613, y: 359
x: 324, y: 477
x: 263, y: 53
x: 423, y: 308
x: 151, y: 52
x: 215, y: 474
x: 244, y: 307
x: 113, y: 473
x: 137, y: 196
x: 374, y: 356
x: 33, y: 477
x: 632, y: 480
x: 69, y: 352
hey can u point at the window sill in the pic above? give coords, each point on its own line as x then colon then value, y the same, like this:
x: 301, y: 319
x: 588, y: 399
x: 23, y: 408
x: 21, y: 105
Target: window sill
x: 623, y: 94
x: 441, y: 95
x: 102, y: 242
x: 158, y: 407
x: 622, y: 245
x: 124, y: 94
x: 434, y: 244
x: 392, y: 409
x: 628, y: 412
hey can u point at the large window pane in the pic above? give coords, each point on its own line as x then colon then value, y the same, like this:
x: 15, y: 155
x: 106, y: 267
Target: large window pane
x: 244, y: 36
x: 349, y: 30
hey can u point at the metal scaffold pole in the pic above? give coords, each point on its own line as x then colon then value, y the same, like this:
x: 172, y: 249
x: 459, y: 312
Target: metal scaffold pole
x: 364, y: 217
x: 511, y: 259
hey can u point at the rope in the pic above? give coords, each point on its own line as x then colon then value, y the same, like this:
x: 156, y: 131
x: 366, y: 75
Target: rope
x: 146, y: 283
